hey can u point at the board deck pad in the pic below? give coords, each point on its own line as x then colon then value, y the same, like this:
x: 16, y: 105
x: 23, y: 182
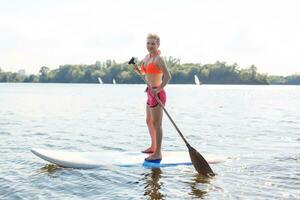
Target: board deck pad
x: 89, y: 160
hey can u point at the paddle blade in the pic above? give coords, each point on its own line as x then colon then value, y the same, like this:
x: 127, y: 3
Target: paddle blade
x: 200, y: 163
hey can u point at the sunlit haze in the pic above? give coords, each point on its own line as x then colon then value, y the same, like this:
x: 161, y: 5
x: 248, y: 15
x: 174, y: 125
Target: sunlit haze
x: 52, y: 33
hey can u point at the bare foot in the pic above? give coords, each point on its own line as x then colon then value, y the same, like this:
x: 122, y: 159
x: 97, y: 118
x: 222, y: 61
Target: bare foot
x: 149, y: 150
x: 154, y: 157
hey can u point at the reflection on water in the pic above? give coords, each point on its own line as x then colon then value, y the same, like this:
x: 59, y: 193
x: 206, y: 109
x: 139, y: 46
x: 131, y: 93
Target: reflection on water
x: 50, y: 169
x: 153, y: 184
x: 200, y: 186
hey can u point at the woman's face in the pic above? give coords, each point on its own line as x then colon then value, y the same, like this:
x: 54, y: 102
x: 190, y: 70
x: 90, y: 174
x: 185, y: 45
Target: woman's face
x: 152, y: 45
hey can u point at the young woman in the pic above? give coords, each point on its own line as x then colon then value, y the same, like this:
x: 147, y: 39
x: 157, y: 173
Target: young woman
x: 155, y: 72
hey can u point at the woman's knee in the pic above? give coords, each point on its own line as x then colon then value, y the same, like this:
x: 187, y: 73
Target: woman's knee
x: 157, y: 123
x: 149, y: 121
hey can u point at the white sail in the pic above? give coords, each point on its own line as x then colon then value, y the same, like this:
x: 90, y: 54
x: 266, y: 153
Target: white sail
x: 100, y: 80
x: 197, y: 81
x: 114, y: 81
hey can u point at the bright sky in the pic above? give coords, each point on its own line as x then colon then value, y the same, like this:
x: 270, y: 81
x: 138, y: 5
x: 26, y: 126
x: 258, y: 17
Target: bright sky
x: 50, y: 33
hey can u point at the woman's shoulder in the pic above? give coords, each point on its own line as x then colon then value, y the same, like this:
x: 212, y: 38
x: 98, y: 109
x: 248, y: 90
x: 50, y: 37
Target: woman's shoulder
x: 159, y: 59
x: 145, y: 58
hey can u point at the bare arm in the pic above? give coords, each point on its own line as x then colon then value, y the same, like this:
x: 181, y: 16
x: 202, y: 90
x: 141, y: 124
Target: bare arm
x: 166, y: 74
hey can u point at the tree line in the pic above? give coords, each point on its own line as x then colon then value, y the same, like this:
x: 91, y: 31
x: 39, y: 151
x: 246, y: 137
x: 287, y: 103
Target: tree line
x: 216, y: 73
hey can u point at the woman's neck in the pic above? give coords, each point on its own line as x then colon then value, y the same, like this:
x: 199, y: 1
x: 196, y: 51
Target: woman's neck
x: 153, y: 54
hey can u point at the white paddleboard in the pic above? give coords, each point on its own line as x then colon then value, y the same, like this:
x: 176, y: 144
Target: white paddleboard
x: 88, y: 160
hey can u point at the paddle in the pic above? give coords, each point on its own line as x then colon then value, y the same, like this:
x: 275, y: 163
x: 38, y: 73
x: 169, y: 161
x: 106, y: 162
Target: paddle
x: 197, y: 159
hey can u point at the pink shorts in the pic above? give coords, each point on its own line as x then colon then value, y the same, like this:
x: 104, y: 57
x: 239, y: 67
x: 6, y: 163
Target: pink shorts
x: 151, y: 101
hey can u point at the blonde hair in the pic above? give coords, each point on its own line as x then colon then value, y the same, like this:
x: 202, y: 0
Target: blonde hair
x: 154, y: 36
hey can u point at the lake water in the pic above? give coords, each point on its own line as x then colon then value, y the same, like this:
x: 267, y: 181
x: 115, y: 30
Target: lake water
x: 256, y: 128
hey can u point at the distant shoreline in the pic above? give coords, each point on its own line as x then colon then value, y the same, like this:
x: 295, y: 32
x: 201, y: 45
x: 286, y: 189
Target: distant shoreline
x: 121, y: 73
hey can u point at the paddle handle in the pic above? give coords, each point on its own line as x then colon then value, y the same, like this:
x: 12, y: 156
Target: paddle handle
x: 160, y: 103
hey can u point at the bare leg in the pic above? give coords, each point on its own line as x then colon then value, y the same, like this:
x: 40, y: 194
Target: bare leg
x: 151, y: 129
x: 157, y: 114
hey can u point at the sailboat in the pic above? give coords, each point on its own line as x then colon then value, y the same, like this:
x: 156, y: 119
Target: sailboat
x: 114, y: 81
x: 100, y: 80
x: 197, y: 81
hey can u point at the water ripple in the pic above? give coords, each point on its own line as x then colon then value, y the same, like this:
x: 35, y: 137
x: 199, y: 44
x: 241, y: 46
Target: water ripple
x: 5, y: 133
x: 259, y: 138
